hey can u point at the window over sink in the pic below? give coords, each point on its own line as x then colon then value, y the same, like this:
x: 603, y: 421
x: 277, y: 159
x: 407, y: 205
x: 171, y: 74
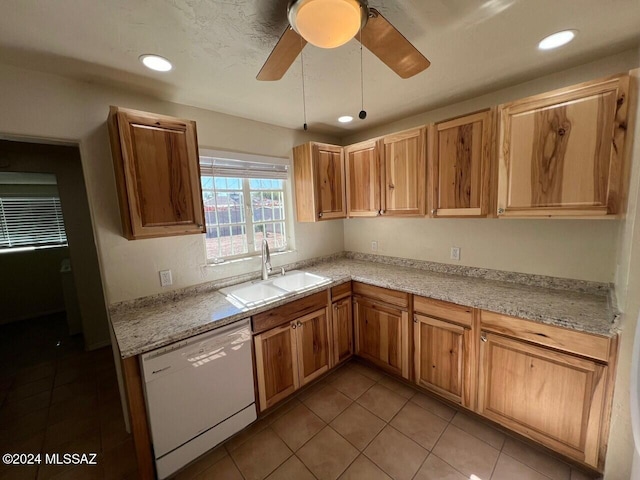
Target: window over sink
x: 245, y: 200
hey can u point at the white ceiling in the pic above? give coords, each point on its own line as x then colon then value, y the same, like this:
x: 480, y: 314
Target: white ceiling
x: 218, y: 46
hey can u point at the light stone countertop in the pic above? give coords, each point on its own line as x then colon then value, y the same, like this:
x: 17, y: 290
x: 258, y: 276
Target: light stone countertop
x: 142, y: 326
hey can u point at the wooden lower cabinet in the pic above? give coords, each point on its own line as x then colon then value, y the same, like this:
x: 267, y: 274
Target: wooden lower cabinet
x: 312, y: 337
x: 292, y: 355
x: 342, y: 318
x: 382, y: 335
x: 276, y: 364
x: 441, y: 360
x: 550, y: 396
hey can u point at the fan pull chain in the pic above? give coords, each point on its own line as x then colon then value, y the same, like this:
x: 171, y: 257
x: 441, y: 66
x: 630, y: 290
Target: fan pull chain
x: 363, y: 113
x: 304, y: 101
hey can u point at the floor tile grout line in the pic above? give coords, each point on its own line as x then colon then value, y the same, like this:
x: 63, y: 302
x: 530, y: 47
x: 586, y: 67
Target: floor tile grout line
x: 533, y: 468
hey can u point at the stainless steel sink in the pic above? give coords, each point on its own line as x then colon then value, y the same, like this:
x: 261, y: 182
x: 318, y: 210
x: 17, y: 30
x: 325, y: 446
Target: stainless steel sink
x: 259, y: 292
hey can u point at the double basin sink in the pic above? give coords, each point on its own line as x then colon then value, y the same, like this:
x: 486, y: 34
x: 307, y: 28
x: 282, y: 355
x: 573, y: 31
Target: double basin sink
x: 260, y: 292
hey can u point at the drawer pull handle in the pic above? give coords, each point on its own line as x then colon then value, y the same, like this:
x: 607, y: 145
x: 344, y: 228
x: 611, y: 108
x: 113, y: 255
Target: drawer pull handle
x: 483, y: 338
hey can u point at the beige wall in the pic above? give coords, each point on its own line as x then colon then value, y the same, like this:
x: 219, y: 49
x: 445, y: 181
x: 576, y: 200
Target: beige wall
x: 544, y: 247
x: 50, y: 107
x: 30, y: 283
x: 556, y: 247
x: 620, y: 450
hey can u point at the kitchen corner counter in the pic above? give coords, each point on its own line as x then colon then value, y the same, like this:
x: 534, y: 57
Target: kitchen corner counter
x: 141, y: 326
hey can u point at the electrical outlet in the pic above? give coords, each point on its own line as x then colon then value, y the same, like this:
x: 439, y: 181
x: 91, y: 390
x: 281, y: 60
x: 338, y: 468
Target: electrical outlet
x: 374, y: 246
x: 165, y: 278
x: 455, y: 253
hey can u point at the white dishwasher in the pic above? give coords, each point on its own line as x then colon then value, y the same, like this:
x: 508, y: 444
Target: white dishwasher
x: 199, y: 392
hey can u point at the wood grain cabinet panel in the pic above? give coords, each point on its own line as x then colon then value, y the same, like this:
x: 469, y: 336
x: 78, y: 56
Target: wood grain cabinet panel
x: 276, y: 364
x: 561, y: 152
x: 460, y: 159
x: 403, y: 182
x: 319, y: 181
x: 342, y: 317
x: 363, y: 179
x: 441, y: 362
x: 312, y: 337
x: 382, y: 335
x: 549, y: 396
x: 292, y: 355
x: 157, y: 171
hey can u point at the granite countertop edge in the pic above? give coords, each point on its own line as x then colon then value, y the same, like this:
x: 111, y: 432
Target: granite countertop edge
x: 136, y: 330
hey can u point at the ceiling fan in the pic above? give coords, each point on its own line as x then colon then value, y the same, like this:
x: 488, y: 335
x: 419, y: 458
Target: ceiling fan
x: 332, y: 23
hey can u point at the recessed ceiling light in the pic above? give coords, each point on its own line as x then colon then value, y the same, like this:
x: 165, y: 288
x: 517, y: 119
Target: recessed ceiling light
x: 156, y: 62
x: 557, y: 39
x: 345, y: 119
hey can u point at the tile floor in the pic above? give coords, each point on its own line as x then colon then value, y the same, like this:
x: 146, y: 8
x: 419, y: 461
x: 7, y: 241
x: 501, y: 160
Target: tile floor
x: 57, y: 398
x: 354, y: 424
x: 360, y: 424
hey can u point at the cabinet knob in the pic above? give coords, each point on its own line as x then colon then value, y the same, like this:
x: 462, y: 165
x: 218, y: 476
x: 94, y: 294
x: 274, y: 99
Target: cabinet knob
x: 562, y: 132
x: 320, y: 215
x: 415, y: 319
x: 293, y: 325
x: 434, y: 211
x: 299, y: 324
x: 379, y: 212
x: 500, y: 211
x: 382, y: 212
x: 335, y: 306
x: 483, y: 337
x: 199, y: 225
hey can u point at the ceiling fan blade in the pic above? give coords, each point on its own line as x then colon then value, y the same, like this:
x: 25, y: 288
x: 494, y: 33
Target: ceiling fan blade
x: 283, y: 55
x: 390, y: 46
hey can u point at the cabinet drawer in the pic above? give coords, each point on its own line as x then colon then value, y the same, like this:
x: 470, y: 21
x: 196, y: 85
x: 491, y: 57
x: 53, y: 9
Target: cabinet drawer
x: 290, y: 311
x: 385, y: 295
x: 340, y: 291
x: 579, y: 343
x: 444, y: 310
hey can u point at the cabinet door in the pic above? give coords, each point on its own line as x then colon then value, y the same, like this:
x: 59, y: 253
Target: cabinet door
x: 319, y: 182
x: 276, y: 364
x: 329, y: 181
x: 404, y: 173
x: 363, y: 179
x: 342, y: 330
x: 561, y: 152
x: 441, y: 360
x: 382, y: 335
x: 460, y: 165
x: 312, y: 337
x: 549, y: 396
x: 158, y: 174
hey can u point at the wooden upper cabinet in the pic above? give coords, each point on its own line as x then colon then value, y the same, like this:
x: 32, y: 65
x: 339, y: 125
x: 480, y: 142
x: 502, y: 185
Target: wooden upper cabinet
x: 363, y: 179
x: 561, y: 152
x: 404, y: 173
x: 550, y: 396
x: 460, y: 159
x: 157, y: 173
x: 319, y: 179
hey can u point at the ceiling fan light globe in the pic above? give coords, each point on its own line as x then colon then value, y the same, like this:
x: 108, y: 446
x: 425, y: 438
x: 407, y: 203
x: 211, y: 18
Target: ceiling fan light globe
x: 328, y: 23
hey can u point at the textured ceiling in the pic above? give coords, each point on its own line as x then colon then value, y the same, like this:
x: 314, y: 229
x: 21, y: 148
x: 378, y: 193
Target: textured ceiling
x: 217, y: 48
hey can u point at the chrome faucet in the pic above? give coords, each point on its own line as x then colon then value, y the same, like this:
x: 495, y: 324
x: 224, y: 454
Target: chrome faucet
x: 266, y: 260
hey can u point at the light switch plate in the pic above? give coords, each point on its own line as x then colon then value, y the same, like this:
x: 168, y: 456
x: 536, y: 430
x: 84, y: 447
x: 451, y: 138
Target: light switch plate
x: 455, y: 253
x: 165, y: 278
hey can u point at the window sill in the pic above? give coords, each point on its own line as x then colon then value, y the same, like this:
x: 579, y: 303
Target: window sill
x: 235, y: 261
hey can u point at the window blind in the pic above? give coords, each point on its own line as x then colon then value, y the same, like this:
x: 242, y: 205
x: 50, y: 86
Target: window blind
x: 223, y: 167
x: 31, y: 221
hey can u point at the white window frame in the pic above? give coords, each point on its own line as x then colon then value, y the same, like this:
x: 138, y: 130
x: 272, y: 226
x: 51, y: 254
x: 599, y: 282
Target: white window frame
x: 246, y: 191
